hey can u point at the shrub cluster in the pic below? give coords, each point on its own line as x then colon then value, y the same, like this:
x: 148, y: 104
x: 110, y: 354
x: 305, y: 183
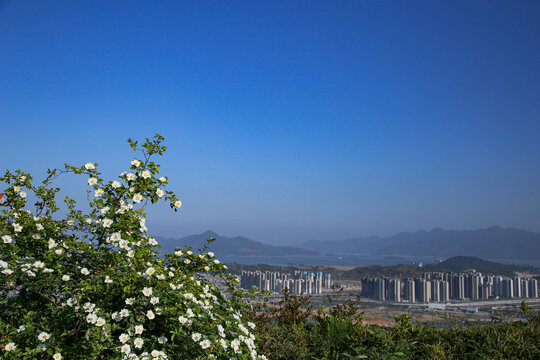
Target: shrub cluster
x: 78, y: 285
x: 293, y: 331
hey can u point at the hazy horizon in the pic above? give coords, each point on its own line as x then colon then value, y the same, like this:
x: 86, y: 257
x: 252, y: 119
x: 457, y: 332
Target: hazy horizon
x: 291, y: 121
x: 333, y: 238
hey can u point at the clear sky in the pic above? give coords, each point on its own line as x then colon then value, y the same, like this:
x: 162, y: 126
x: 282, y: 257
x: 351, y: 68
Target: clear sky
x: 292, y: 120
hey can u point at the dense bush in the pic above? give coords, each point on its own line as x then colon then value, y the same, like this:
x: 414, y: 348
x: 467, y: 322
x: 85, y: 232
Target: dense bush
x: 92, y: 286
x: 292, y: 330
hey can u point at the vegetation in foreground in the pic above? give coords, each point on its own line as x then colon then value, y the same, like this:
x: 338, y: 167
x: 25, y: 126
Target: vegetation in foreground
x: 91, y: 284
x: 292, y: 330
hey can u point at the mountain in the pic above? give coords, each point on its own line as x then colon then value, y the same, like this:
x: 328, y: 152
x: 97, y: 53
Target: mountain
x: 454, y: 264
x: 489, y: 243
x: 233, y: 246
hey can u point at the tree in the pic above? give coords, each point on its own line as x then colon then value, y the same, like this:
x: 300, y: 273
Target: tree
x: 93, y: 286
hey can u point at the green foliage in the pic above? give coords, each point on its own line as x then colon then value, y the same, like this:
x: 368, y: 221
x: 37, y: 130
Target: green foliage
x: 92, y: 286
x: 337, y: 332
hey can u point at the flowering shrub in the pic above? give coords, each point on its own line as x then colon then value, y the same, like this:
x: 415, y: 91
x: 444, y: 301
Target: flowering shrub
x: 92, y: 286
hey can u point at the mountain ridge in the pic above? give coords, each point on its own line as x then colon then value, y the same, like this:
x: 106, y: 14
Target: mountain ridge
x: 232, y: 246
x: 492, y: 243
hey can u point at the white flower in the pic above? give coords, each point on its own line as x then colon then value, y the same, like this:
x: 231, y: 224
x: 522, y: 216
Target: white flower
x: 216, y: 262
x: 38, y: 264
x: 21, y: 328
x: 39, y: 226
x: 98, y: 192
x: 178, y: 203
x: 91, y: 318
x: 150, y: 314
x: 58, y: 251
x: 10, y: 346
x: 7, y: 271
x: 152, y: 241
x: 190, y: 313
x: 138, y: 343
x: 105, y: 210
x: 88, y: 307
x: 150, y: 271
x: 160, y: 192
x: 130, y: 176
x: 44, y: 337
x: 100, y: 321
x: 139, y: 329
x: 52, y: 243
x: 137, y: 198
x: 196, y: 336
x: 88, y: 221
x: 162, y: 339
x: 178, y: 253
x: 107, y: 223
x: 17, y: 227
x: 65, y: 277
x: 205, y: 344
x: 92, y: 181
x: 123, y: 338
x: 17, y: 188
x: 211, y: 254
x: 7, y: 239
x: 57, y: 356
x: 107, y: 280
x: 154, y: 300
x: 182, y: 320
x: 89, y: 166
x: 187, y: 261
x: 135, y: 163
x: 124, y: 313
x: 147, y: 291
x: 126, y: 349
x: 223, y: 344
x: 163, y: 179
x: 115, y: 184
x: 251, y: 325
x: 129, y: 301
x: 22, y: 194
x: 71, y: 301
x: 146, y: 174
x: 85, y: 271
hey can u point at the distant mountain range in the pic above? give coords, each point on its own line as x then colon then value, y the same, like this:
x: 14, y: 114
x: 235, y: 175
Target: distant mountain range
x: 489, y: 243
x: 494, y: 243
x: 235, y: 246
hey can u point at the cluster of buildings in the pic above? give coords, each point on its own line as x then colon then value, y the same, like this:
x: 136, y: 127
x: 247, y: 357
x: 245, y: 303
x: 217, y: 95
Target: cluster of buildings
x: 443, y: 287
x: 297, y: 283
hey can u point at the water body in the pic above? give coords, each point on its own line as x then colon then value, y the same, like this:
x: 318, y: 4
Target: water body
x: 348, y: 260
x: 345, y: 259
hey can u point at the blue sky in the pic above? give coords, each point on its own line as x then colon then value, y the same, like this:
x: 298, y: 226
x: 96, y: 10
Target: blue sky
x: 287, y: 121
